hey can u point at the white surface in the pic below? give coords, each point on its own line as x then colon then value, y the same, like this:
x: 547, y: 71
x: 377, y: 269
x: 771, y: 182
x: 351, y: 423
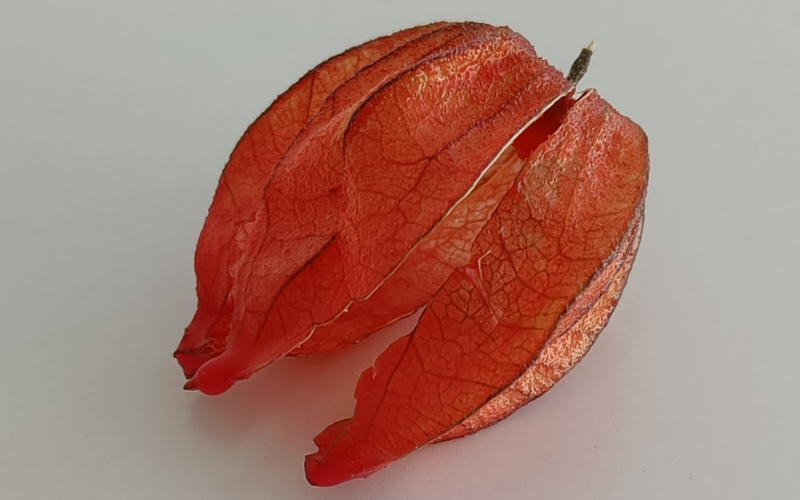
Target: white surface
x: 115, y: 121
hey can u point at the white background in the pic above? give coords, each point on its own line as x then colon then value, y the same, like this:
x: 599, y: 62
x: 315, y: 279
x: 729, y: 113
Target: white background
x: 115, y: 121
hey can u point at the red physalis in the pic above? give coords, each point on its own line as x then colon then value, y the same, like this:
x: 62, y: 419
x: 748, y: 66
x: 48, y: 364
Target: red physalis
x: 446, y: 166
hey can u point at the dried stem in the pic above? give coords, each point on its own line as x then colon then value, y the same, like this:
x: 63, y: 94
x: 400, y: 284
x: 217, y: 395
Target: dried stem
x: 581, y: 64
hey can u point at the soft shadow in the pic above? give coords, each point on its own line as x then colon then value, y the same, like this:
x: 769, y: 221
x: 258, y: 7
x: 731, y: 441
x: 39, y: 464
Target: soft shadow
x: 265, y: 426
x: 285, y: 405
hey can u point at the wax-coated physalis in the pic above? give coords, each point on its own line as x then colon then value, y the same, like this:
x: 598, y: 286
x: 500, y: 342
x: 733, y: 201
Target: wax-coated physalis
x: 445, y: 167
